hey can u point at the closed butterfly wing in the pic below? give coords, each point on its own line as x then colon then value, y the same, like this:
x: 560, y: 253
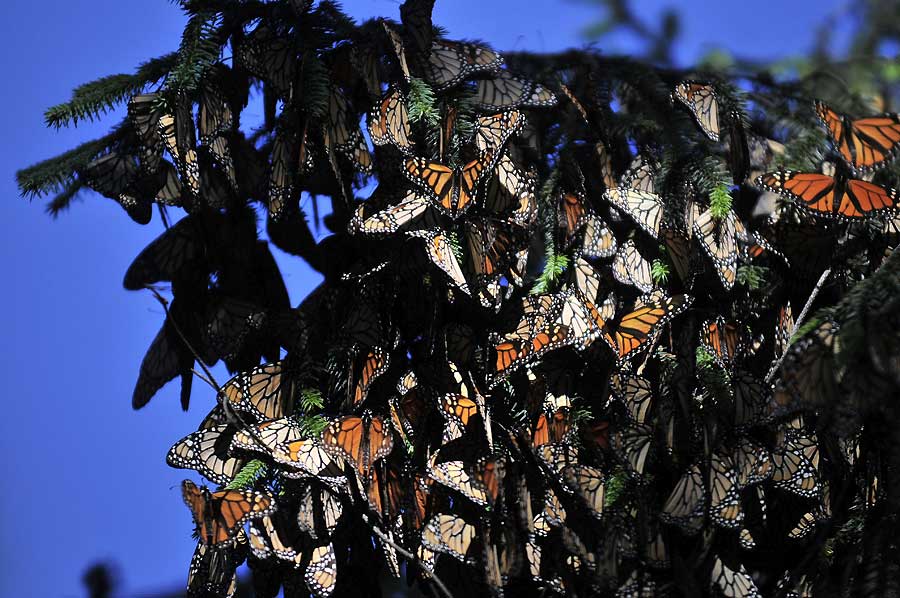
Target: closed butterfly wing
x: 686, y: 504
x: 207, y: 452
x: 451, y: 62
x: 702, y: 101
x: 718, y: 239
x: 439, y: 251
x: 630, y: 267
x: 504, y: 91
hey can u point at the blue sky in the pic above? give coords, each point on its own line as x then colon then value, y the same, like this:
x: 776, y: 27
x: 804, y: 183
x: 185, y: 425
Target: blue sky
x: 85, y: 475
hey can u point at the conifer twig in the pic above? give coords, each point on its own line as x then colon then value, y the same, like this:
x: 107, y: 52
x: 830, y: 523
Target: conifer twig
x: 798, y: 322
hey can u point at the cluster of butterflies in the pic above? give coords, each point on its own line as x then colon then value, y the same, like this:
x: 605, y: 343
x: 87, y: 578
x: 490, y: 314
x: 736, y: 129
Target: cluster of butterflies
x: 440, y: 407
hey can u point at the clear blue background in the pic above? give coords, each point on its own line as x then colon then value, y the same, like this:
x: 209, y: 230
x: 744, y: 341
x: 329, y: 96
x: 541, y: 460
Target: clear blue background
x: 85, y: 478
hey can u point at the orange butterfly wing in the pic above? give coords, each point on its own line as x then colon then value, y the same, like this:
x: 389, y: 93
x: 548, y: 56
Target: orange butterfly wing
x: 435, y: 177
x: 345, y: 437
x: 866, y: 143
x: 468, y: 180
x: 863, y: 199
x: 815, y: 191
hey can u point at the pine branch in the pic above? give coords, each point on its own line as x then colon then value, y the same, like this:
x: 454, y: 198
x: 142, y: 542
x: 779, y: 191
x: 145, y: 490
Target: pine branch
x: 248, y: 475
x: 92, y: 100
x: 201, y: 46
x: 58, y: 173
x: 64, y: 198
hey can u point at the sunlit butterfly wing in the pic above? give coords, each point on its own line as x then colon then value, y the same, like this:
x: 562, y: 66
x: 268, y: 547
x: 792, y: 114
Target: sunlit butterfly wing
x: 637, y: 327
x: 262, y: 392
x: 733, y: 583
x: 865, y: 144
x: 492, y: 132
x: 629, y: 267
x: 206, y: 451
x: 439, y: 251
x: 449, y: 534
x: 824, y: 196
x: 703, y: 103
x: 645, y: 208
x: 504, y: 91
x: 389, y: 122
x: 598, y: 241
x: 321, y: 572
x: 451, y: 62
x: 219, y: 515
x: 718, y: 240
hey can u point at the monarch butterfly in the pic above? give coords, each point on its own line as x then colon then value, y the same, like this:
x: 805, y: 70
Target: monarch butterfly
x: 536, y: 333
x: 750, y: 397
x: 793, y: 472
x: 302, y: 457
x: 452, y: 189
x: 366, y: 365
x: 342, y: 132
x: 261, y: 392
x: 504, y: 91
x: 809, y: 375
x: 267, y: 436
x: 170, y: 192
x: 269, y: 57
x: 389, y: 122
x: 632, y: 444
x: 213, y: 568
x: 275, y: 535
x: 784, y: 327
x: 361, y: 441
x: 391, y: 219
x: 865, y: 144
x: 510, y: 193
x: 439, y: 251
x: 629, y: 267
x: 724, y: 341
x: 830, y: 197
x: 492, y: 132
x: 678, y: 250
x: 551, y: 429
x: 806, y: 524
x: 586, y: 281
x: 590, y: 484
x: 718, y: 238
x: 206, y: 451
x: 219, y: 515
x: 407, y: 411
x: 319, y: 512
x: 635, y: 393
x: 450, y: 62
x: 363, y: 325
x: 644, y: 207
x: 114, y: 175
x: 733, y: 583
x: 491, y: 246
x: 385, y: 493
x: 281, y: 174
x: 752, y: 463
x: 166, y: 358
x: 178, y: 250
x: 724, y: 492
x: 478, y: 481
x: 449, y: 534
x: 572, y: 213
x: 702, y: 101
x: 144, y: 111
x: 687, y: 502
x: 460, y: 404
x: 598, y: 241
x: 321, y: 572
x: 214, y: 121
x: 637, y: 327
x: 177, y: 133
x: 399, y: 50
